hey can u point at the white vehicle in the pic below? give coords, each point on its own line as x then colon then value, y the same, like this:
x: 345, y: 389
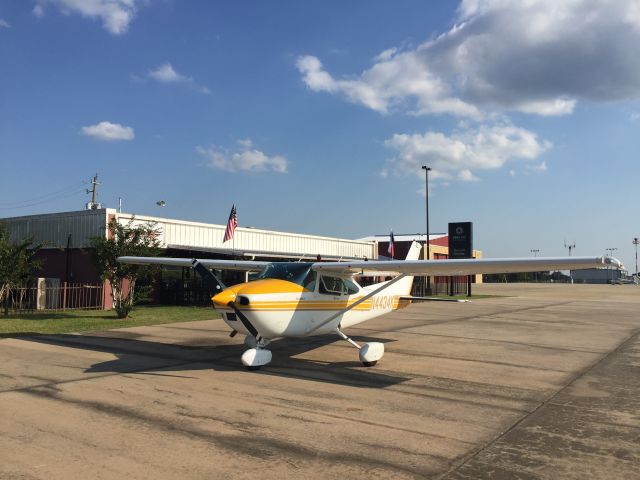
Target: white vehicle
x: 301, y: 299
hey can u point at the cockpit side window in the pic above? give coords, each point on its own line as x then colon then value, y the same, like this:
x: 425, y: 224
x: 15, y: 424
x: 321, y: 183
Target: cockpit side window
x: 350, y: 286
x: 337, y: 286
x: 310, y: 281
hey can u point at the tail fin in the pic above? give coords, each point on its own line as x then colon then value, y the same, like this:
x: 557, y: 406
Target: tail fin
x: 403, y: 287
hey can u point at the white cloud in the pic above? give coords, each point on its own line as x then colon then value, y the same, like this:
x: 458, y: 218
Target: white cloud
x: 38, y: 10
x: 534, y: 56
x: 634, y: 116
x: 245, y: 143
x: 244, y: 159
x: 167, y: 74
x: 116, y: 15
x: 387, y: 85
x: 4, y: 23
x: 108, y: 131
x: 457, y: 156
x: 465, y: 175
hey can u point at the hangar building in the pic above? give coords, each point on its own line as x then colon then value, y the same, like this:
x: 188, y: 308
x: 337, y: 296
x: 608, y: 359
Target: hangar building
x: 66, y: 238
x: 66, y: 254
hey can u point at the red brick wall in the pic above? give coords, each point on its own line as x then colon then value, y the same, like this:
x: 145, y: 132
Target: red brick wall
x: 54, y: 261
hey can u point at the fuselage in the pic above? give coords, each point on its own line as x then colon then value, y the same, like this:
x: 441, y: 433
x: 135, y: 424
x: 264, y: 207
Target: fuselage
x: 283, y: 308
x: 294, y: 300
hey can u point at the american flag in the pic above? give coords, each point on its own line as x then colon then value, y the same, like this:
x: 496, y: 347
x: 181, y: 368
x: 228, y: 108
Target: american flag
x: 232, y: 223
x: 390, y: 250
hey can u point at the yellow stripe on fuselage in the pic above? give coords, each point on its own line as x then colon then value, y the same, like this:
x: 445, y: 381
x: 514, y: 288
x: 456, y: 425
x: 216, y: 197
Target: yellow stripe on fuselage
x: 392, y: 303
x: 275, y: 286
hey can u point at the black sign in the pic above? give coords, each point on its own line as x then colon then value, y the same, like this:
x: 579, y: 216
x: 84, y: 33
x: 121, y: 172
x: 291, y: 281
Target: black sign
x: 461, y: 240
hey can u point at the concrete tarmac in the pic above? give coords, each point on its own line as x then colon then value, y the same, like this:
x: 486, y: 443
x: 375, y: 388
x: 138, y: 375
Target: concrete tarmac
x: 540, y: 382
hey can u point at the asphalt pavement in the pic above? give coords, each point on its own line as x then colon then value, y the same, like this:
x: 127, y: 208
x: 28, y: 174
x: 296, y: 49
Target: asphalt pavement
x: 542, y: 381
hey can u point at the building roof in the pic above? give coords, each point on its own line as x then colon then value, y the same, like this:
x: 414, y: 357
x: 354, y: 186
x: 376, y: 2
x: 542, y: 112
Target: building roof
x: 55, y: 229
x: 404, y: 237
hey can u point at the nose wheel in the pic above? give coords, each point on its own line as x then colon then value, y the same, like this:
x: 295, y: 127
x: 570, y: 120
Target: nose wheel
x: 258, y: 356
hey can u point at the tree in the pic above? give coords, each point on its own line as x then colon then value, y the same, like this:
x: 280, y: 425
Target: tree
x: 124, y: 240
x: 17, y: 262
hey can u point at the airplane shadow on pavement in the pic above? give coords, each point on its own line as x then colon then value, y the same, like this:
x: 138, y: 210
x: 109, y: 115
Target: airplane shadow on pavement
x: 135, y: 355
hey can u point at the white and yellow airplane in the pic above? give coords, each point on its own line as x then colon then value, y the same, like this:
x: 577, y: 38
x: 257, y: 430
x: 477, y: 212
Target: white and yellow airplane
x: 299, y: 299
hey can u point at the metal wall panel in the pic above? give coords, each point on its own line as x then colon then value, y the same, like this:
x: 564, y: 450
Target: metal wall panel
x: 53, y: 229
x: 179, y: 233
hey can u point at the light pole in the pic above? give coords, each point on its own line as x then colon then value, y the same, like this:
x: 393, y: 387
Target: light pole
x: 571, y: 246
x: 535, y: 252
x: 426, y: 188
x: 610, y: 254
x: 635, y: 242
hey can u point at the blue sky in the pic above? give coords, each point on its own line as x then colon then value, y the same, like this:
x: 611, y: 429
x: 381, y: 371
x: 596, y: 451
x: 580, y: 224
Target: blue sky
x: 315, y: 117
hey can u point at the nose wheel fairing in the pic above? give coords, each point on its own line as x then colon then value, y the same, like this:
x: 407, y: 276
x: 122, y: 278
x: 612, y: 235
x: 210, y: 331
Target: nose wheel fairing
x: 255, y: 358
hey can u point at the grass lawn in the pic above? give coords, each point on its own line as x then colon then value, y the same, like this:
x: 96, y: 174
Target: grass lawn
x: 84, y: 320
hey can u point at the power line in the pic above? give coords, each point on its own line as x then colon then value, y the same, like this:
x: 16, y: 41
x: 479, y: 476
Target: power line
x: 42, y: 198
x: 46, y: 200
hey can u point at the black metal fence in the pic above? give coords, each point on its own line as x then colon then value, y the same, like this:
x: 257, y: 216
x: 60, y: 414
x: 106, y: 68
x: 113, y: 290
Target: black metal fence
x: 185, y: 291
x: 440, y: 286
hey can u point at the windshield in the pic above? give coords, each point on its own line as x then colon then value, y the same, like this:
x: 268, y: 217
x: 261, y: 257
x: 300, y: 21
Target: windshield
x: 291, y: 272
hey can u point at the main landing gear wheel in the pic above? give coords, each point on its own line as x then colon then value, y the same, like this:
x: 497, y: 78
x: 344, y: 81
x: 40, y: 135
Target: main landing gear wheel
x: 369, y: 353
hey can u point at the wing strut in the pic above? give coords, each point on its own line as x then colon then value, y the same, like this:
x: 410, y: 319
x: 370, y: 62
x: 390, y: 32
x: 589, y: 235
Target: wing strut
x: 356, y: 303
x: 206, y: 273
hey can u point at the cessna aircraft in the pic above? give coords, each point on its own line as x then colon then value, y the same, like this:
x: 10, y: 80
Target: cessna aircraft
x: 288, y: 299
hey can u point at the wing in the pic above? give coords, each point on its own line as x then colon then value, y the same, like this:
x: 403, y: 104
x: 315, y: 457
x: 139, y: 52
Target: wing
x: 464, y: 266
x: 241, y: 265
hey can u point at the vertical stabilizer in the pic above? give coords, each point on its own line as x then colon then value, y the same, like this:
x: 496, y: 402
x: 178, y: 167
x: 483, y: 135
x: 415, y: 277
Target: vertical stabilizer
x: 403, y: 287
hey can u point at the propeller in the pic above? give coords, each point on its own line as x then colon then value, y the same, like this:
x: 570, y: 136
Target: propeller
x: 245, y: 321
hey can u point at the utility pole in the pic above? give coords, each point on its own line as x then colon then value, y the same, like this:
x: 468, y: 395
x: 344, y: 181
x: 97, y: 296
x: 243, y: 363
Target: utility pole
x: 635, y: 242
x: 94, y: 193
x: 426, y: 192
